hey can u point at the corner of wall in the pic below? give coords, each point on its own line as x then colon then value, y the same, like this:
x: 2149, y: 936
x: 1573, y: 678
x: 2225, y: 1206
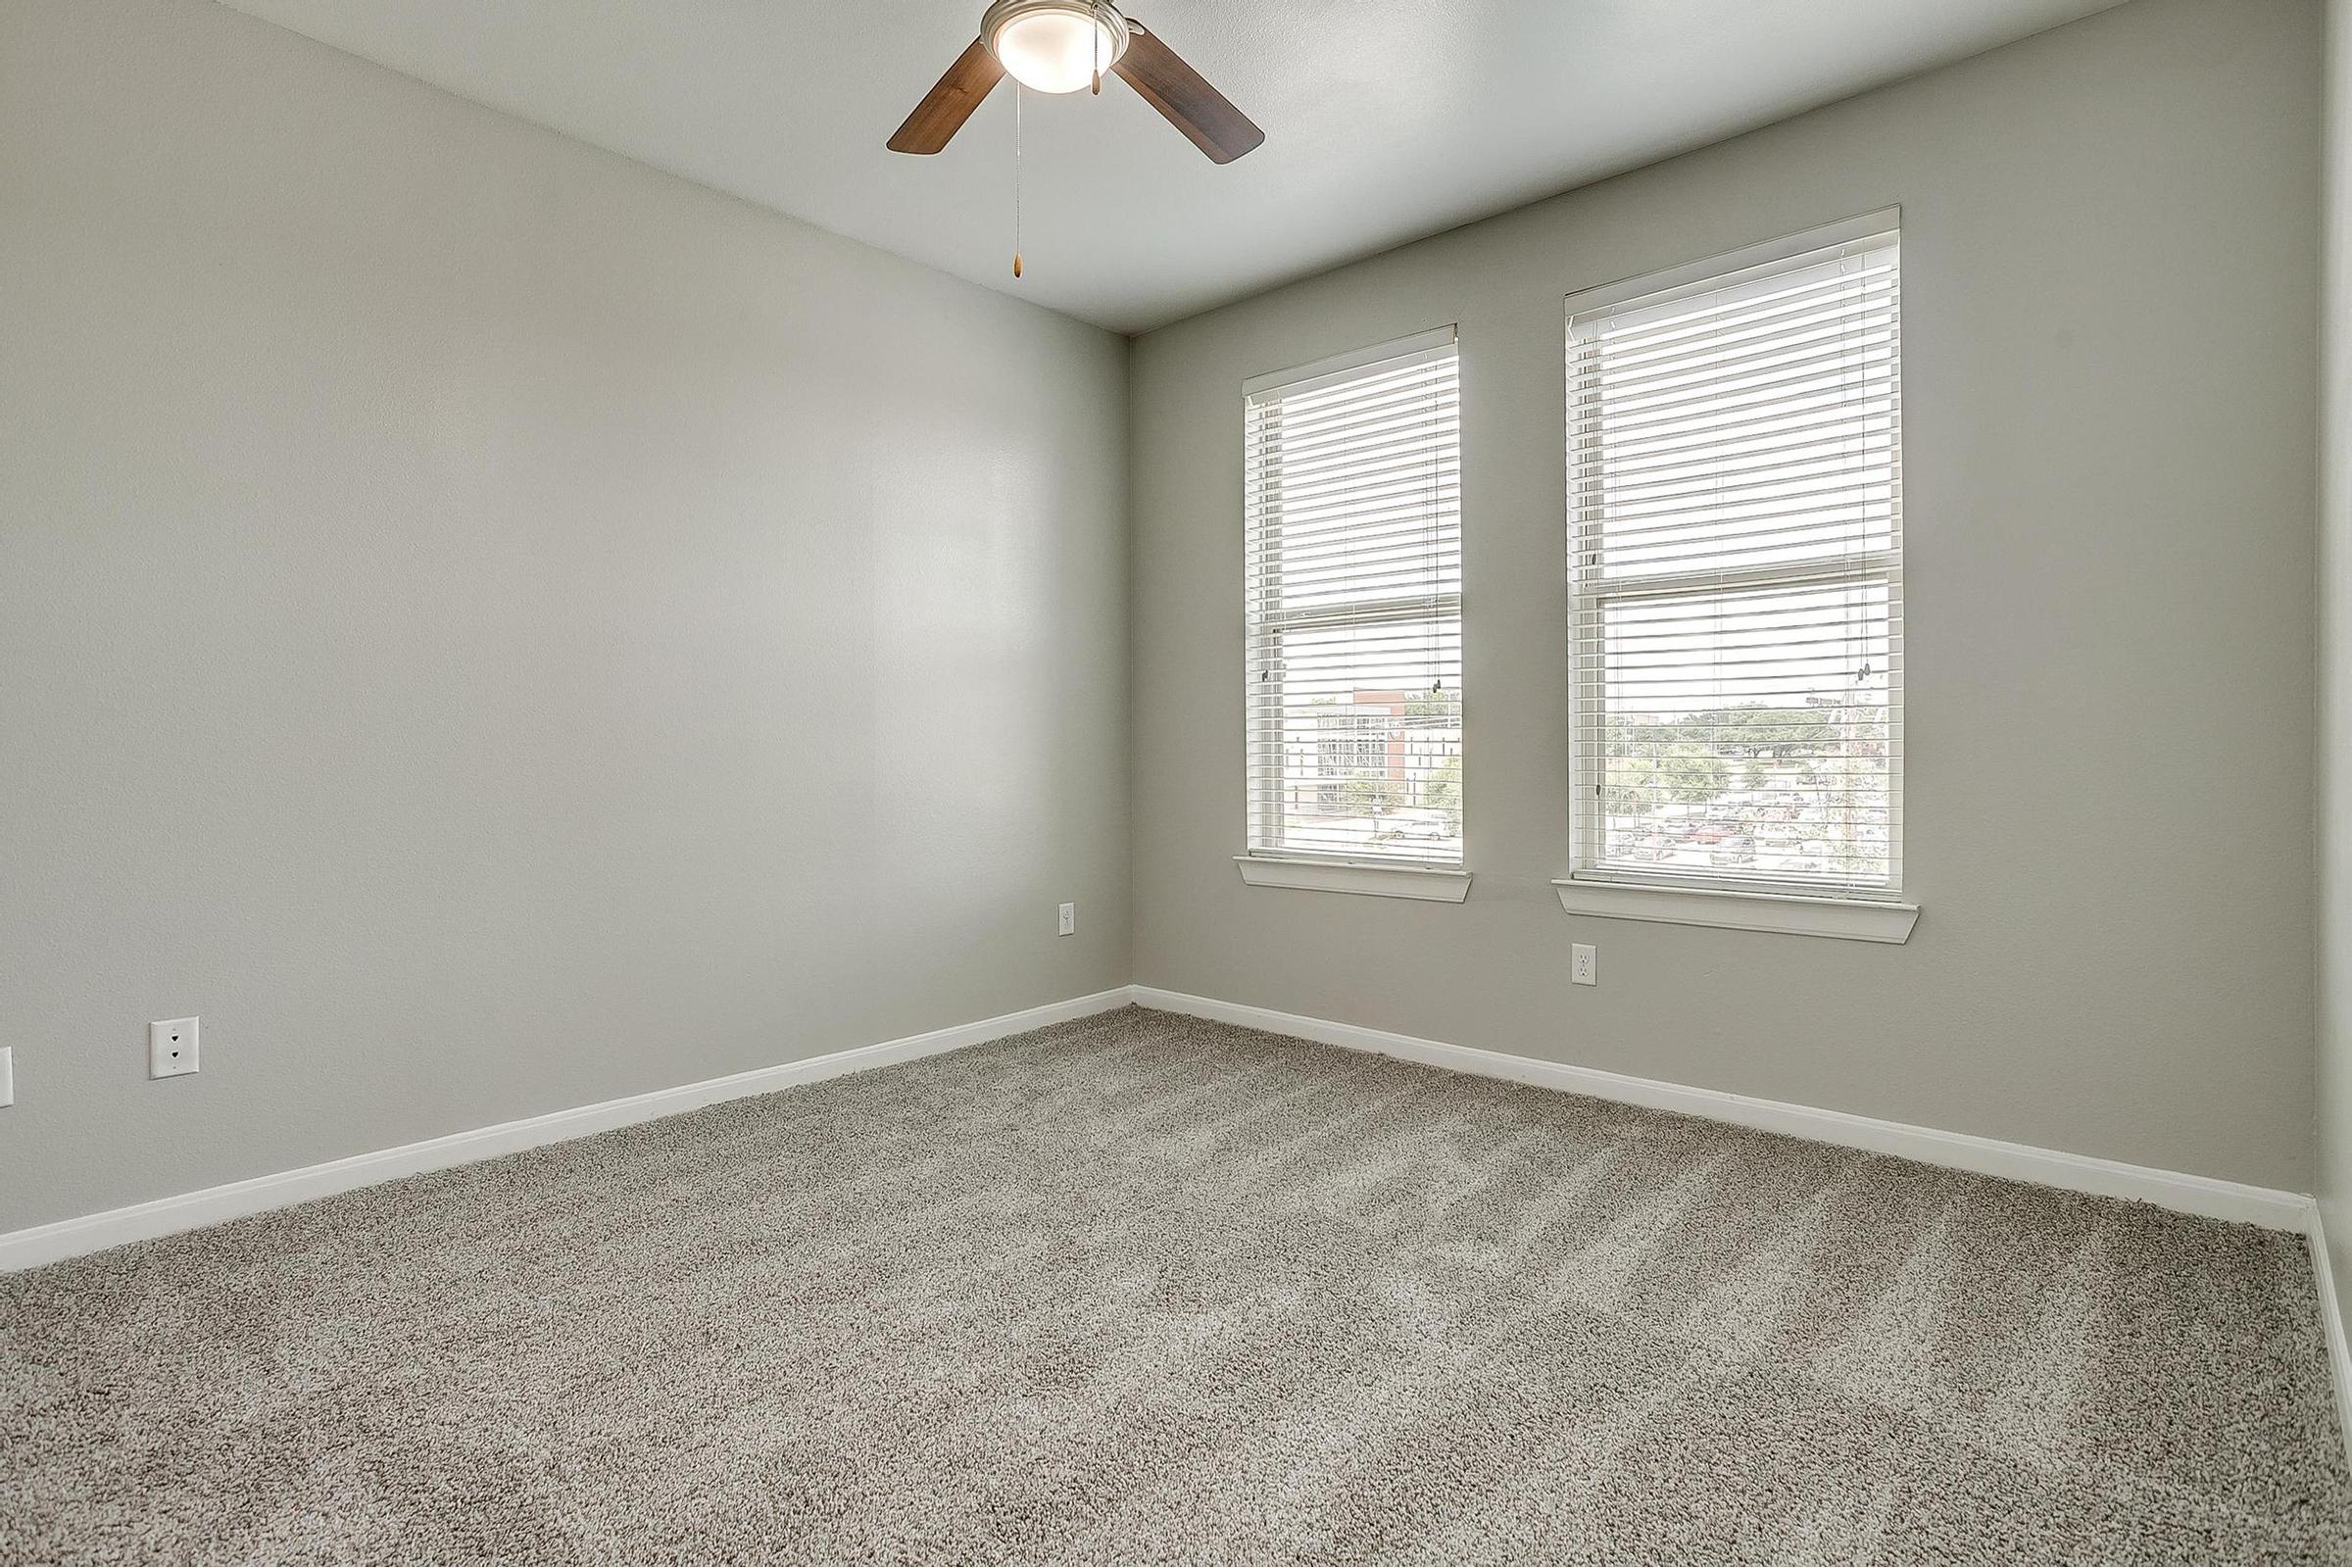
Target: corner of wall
x: 1129, y: 445
x: 2333, y: 727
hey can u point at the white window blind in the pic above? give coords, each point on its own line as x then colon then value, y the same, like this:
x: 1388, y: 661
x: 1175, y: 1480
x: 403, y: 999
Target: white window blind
x: 1735, y: 467
x: 1353, y: 595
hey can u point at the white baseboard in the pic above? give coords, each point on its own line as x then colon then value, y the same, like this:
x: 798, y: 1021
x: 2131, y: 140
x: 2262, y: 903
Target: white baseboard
x: 1988, y: 1157
x: 2193, y: 1195
x: 164, y: 1217
x: 2331, y: 1317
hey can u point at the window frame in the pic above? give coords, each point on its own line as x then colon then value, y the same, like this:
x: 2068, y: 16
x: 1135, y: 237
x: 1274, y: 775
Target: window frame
x: 1266, y: 861
x: 1823, y: 908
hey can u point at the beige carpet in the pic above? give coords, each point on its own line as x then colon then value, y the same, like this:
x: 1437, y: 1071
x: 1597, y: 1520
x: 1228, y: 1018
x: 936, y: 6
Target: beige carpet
x: 1144, y: 1286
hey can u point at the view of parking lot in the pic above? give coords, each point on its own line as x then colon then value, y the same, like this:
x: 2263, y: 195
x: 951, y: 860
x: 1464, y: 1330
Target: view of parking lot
x: 1751, y: 793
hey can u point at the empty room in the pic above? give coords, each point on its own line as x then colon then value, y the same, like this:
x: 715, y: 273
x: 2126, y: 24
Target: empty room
x: 1491, y: 781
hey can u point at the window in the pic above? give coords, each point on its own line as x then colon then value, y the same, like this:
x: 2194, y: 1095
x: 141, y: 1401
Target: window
x: 1735, y: 473
x: 1353, y: 600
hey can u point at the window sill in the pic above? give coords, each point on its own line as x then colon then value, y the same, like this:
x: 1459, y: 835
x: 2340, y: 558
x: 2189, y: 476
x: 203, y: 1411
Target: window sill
x: 1380, y: 881
x: 1852, y: 919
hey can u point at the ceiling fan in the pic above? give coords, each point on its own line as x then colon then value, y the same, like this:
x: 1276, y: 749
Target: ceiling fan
x: 1062, y: 46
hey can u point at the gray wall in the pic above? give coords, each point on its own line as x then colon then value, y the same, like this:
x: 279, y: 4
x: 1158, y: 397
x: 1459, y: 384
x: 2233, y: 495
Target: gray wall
x: 2109, y: 244
x: 2334, y: 862
x: 492, y: 627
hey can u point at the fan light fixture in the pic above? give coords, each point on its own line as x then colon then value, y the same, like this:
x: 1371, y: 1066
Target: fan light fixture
x: 1062, y: 46
x: 1054, y: 45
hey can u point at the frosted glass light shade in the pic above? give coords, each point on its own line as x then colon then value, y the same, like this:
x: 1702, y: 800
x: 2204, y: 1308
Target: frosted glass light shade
x: 1056, y: 48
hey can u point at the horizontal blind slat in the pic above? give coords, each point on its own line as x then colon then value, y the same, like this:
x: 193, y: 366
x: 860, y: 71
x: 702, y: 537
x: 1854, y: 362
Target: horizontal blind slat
x: 1851, y: 350
x: 1679, y: 446
x: 1637, y: 324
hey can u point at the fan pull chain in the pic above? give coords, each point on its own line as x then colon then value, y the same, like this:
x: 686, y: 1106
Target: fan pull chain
x: 1017, y: 180
x: 1096, y: 38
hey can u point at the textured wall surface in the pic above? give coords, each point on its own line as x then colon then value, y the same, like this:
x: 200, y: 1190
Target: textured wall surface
x: 2109, y: 244
x: 492, y: 627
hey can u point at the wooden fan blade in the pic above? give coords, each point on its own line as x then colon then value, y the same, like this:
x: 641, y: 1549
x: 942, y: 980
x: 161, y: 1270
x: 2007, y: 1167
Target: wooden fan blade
x: 948, y: 105
x: 1189, y: 102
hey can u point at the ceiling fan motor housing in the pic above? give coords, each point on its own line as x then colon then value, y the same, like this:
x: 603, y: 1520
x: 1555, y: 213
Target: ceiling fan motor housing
x: 1006, y: 25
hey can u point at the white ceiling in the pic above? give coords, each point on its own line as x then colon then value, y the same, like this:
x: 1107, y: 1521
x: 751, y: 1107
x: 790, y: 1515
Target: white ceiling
x: 1384, y: 119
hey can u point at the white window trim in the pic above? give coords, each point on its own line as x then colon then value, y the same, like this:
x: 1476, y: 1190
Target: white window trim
x: 1429, y: 345
x: 1436, y: 884
x: 1845, y: 232
x: 1667, y: 899
x: 1853, y: 919
x: 1267, y: 867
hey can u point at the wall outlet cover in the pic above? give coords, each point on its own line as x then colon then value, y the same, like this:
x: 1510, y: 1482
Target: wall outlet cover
x: 1583, y: 963
x: 172, y: 1048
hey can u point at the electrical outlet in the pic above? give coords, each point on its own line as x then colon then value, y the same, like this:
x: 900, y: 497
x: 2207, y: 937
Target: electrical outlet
x: 1583, y: 963
x: 1070, y: 920
x: 172, y: 1048
x: 8, y: 1075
